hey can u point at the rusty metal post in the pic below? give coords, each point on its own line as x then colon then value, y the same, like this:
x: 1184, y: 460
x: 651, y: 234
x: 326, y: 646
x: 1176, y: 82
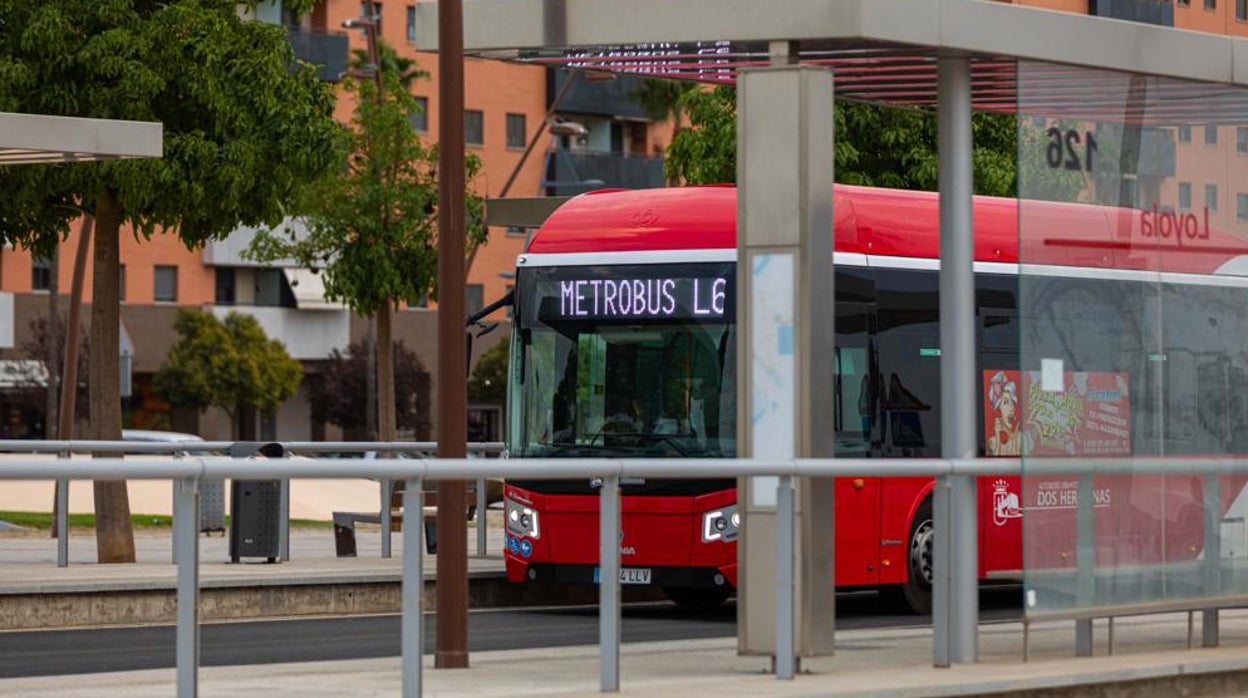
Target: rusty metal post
x: 452, y: 616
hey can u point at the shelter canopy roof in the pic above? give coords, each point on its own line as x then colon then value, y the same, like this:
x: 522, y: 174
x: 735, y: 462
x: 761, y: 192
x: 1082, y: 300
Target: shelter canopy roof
x: 882, y: 51
x: 38, y: 138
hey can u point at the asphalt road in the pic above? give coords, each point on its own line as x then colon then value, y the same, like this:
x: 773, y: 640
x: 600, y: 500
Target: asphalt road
x: 59, y: 652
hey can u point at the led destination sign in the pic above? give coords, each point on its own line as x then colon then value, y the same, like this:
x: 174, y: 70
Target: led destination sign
x: 643, y: 298
x: 701, y: 292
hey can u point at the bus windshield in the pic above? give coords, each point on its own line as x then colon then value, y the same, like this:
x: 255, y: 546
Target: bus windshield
x: 624, y: 362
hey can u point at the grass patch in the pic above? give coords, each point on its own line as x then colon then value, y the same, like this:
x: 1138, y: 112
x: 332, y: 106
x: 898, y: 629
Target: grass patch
x: 43, y: 521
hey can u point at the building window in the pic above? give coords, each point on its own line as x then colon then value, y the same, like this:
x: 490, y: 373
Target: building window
x: 1241, y: 137
x: 474, y: 127
x: 269, y: 284
x: 1241, y: 207
x: 1211, y: 4
x: 517, y: 231
x: 474, y: 298
x: 40, y: 274
x: 1241, y: 10
x: 1211, y: 134
x: 166, y: 284
x: 121, y: 283
x: 515, y: 130
x: 226, y: 294
x: 1185, y: 133
x: 1185, y: 196
x: 411, y: 23
x: 376, y: 13
x: 1185, y: 3
x: 419, y: 118
x: 1211, y: 197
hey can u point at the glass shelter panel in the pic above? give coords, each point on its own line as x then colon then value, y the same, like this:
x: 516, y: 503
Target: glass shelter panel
x: 1133, y: 360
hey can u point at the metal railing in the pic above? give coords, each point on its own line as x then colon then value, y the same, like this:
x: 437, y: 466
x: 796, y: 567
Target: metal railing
x: 188, y: 471
x: 64, y: 448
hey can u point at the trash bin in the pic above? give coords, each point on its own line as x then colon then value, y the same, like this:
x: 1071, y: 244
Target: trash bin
x: 255, y: 509
x: 212, y: 506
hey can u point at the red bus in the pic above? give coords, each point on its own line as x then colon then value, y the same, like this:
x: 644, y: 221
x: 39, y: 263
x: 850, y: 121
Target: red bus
x: 624, y: 345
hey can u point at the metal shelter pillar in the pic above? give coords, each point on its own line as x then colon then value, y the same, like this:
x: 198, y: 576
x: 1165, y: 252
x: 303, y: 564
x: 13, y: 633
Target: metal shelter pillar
x: 955, y: 589
x: 785, y: 338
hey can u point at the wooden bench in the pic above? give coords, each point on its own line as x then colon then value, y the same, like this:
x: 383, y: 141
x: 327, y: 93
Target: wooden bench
x: 345, y: 521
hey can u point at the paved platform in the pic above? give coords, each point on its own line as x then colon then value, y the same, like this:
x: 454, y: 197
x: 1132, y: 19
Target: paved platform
x: 1151, y: 652
x: 1152, y: 660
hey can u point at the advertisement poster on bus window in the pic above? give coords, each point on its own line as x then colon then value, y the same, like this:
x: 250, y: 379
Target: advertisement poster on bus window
x: 1090, y: 416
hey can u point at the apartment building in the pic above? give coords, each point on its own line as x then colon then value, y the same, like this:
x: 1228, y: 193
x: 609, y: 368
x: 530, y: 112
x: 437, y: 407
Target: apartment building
x: 605, y: 140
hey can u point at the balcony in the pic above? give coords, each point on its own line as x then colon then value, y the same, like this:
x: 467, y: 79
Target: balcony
x: 307, y: 335
x: 1159, y: 12
x: 612, y: 99
x: 325, y: 50
x: 575, y: 171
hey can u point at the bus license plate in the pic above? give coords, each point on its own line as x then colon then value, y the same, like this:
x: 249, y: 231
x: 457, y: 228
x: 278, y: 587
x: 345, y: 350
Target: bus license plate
x: 629, y: 575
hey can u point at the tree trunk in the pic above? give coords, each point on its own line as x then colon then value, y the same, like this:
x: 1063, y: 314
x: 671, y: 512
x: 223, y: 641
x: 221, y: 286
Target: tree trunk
x: 370, y: 381
x: 54, y: 345
x: 387, y: 423
x: 114, y: 537
x: 69, y: 369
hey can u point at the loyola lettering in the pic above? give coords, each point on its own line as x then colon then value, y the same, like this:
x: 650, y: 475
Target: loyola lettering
x: 1180, y: 226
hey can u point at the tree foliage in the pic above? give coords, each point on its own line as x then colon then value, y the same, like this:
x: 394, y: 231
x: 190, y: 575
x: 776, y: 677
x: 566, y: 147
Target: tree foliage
x: 245, y: 124
x: 875, y: 145
x: 337, y: 394
x: 244, y: 121
x: 228, y: 364
x: 372, y: 225
x: 488, y: 382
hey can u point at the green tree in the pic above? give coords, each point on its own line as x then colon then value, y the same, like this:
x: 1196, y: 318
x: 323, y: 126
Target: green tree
x: 372, y: 225
x: 231, y: 365
x: 245, y: 124
x: 488, y: 382
x: 875, y: 145
x: 338, y: 392
x: 661, y: 99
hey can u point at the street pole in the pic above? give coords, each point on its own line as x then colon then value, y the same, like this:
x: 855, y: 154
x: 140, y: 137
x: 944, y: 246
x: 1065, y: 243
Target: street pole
x: 452, y: 615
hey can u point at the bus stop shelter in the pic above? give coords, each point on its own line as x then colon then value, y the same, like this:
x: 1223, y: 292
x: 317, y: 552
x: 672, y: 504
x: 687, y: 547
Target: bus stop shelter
x: 38, y: 138
x: 789, y: 59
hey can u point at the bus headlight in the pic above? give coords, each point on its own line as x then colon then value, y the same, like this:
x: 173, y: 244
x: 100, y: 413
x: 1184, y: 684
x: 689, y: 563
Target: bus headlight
x: 721, y: 524
x: 521, y: 520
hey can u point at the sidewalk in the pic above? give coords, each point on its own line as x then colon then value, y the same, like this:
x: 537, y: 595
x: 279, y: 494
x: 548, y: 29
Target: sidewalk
x: 1151, y: 660
x: 35, y: 593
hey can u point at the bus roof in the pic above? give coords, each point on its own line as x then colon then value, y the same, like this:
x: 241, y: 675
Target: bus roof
x: 893, y: 222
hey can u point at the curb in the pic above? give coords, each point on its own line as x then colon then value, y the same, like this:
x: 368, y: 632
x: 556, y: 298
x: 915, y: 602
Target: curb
x: 94, y: 605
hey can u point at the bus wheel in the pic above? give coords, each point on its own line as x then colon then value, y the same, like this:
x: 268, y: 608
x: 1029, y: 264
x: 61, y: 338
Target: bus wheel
x: 916, y: 593
x: 696, y: 599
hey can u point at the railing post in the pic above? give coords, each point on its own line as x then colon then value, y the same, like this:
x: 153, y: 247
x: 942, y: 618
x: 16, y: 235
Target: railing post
x: 283, y: 515
x: 1213, y: 558
x: 62, y: 517
x: 412, y: 630
x: 387, y: 495
x: 786, y: 662
x: 1085, y: 564
x: 186, y: 545
x: 483, y: 543
x: 609, y: 585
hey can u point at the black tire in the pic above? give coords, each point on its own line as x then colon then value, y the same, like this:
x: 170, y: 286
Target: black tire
x: 915, y: 595
x: 697, y: 599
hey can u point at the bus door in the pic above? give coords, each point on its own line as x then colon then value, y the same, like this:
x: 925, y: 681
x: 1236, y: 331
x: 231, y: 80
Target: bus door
x: 857, y: 498
x: 908, y: 343
x: 999, y: 386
